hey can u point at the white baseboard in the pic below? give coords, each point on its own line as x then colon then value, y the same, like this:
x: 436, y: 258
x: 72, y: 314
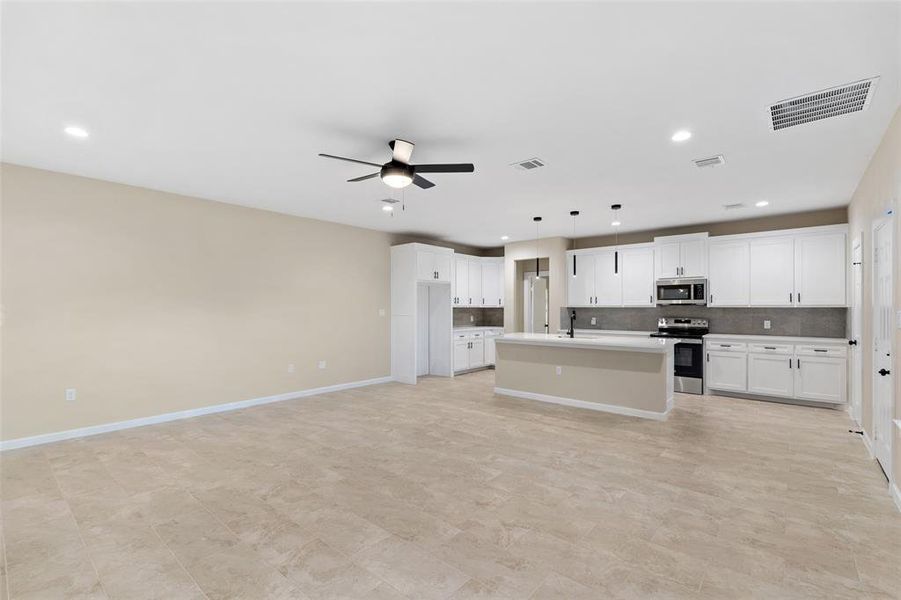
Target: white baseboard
x: 69, y: 434
x: 896, y: 496
x: 868, y: 444
x: 610, y: 408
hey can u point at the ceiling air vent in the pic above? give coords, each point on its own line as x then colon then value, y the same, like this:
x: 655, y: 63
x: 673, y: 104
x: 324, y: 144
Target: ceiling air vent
x: 711, y: 161
x: 831, y: 102
x: 528, y: 165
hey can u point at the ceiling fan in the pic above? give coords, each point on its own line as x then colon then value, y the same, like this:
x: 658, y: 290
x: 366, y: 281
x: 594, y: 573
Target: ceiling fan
x: 398, y: 172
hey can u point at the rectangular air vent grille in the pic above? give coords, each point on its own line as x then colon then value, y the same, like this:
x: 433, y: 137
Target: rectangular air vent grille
x: 528, y: 165
x: 832, y: 102
x: 712, y: 161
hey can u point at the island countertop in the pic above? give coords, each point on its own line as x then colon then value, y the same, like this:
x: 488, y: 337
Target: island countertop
x: 610, y: 342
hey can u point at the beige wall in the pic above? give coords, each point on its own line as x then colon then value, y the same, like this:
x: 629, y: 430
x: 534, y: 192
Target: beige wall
x: 149, y: 302
x: 553, y: 249
x: 879, y: 191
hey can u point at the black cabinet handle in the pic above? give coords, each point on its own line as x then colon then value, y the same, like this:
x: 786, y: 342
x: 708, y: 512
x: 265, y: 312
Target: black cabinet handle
x: 799, y: 297
x: 574, y: 265
x: 852, y: 342
x: 615, y: 262
x: 769, y: 347
x: 789, y: 297
x: 789, y: 363
x: 820, y: 350
x: 708, y: 357
x: 799, y: 363
x: 884, y: 372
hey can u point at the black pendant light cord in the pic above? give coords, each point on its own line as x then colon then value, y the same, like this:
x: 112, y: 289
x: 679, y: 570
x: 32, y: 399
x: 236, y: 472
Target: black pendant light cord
x: 537, y: 263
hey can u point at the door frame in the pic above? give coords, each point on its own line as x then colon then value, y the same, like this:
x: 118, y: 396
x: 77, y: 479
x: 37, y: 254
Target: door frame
x: 855, y: 397
x: 885, y: 221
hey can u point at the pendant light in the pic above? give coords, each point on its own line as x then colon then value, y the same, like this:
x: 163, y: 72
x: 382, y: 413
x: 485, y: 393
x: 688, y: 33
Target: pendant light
x: 574, y: 214
x: 537, y: 268
x: 615, y: 223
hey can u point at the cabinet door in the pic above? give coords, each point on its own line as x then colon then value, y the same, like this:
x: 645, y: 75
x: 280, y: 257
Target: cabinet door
x: 729, y: 281
x: 693, y: 258
x: 580, y: 284
x: 461, y: 354
x: 461, y: 280
x: 637, y: 274
x: 608, y: 284
x: 442, y: 261
x: 820, y: 379
x: 425, y: 265
x: 820, y: 270
x: 490, y: 355
x: 476, y: 353
x: 667, y: 260
x: 501, y: 283
x: 727, y: 371
x: 490, y: 296
x: 474, y: 298
x: 772, y: 271
x: 771, y: 375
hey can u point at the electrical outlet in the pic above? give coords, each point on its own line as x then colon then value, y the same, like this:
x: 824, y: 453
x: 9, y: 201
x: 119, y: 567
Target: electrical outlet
x: 321, y: 364
x: 472, y: 318
x: 71, y: 394
x: 767, y: 324
x: 381, y: 312
x: 594, y: 320
x: 291, y: 368
x: 559, y: 370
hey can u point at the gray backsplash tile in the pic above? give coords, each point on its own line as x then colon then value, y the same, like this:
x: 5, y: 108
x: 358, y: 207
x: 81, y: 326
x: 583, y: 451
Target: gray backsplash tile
x: 480, y: 317
x: 809, y: 322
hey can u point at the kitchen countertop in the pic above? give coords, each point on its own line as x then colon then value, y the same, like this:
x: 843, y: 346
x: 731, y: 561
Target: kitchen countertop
x: 476, y: 328
x: 775, y: 339
x: 609, y: 342
x: 603, y: 332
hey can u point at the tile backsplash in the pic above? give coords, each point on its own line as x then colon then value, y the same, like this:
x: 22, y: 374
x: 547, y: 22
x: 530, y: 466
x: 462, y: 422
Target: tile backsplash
x: 478, y: 317
x: 807, y: 322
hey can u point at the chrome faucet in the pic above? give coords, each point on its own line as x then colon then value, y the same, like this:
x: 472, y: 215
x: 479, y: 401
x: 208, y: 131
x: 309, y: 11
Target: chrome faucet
x: 572, y: 330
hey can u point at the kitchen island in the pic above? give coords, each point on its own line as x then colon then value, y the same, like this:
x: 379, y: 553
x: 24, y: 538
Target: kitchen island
x: 627, y: 375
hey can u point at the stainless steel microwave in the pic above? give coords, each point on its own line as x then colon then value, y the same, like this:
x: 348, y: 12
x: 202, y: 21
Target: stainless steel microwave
x: 681, y: 291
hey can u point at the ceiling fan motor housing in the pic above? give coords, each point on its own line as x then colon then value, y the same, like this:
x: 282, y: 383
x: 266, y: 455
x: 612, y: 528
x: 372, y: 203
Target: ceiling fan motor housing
x: 396, y: 174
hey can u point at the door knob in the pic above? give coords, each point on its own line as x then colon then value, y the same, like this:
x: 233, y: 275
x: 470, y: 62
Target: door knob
x: 884, y: 372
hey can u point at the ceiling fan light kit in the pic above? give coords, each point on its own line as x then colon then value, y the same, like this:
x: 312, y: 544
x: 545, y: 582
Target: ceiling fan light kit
x: 398, y: 172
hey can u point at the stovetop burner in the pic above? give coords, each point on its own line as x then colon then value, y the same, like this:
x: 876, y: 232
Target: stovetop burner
x: 681, y: 327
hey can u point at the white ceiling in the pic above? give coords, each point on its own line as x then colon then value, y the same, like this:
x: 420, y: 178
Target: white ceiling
x: 232, y: 101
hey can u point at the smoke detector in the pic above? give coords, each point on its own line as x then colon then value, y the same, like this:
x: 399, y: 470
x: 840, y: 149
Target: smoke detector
x: 823, y: 104
x: 711, y: 161
x: 528, y: 164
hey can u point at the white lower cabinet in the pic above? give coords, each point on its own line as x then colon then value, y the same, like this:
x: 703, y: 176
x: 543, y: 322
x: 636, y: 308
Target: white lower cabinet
x: 474, y: 349
x: 771, y: 373
x: 727, y: 367
x: 813, y: 372
x: 476, y: 353
x: 461, y: 353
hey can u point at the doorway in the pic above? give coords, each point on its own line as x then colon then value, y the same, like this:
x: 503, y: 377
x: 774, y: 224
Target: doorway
x: 854, y: 407
x: 883, y: 322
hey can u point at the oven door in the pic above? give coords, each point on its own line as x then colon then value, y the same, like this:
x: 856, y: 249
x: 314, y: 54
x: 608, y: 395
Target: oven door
x: 688, y: 358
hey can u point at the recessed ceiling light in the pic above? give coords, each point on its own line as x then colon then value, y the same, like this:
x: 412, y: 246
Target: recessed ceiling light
x: 681, y: 135
x: 388, y: 208
x: 761, y: 204
x: 616, y: 223
x: 76, y: 131
x: 505, y: 237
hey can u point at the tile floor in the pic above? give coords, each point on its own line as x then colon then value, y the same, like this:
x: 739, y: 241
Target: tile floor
x: 446, y: 491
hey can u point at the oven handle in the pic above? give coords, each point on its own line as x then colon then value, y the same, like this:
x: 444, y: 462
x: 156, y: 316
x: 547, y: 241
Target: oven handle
x: 687, y: 341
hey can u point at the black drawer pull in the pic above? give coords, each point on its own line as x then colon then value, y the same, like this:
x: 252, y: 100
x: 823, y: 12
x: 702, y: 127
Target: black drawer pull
x: 820, y: 350
x: 769, y: 347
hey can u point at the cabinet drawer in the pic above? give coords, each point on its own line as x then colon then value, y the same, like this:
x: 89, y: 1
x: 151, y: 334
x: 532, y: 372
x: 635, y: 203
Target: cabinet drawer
x: 461, y: 336
x: 813, y: 350
x: 727, y: 346
x: 771, y: 348
x: 477, y: 334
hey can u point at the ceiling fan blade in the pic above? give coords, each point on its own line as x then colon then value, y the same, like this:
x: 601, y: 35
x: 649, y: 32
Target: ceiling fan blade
x: 353, y: 160
x: 445, y: 168
x: 363, y: 178
x: 422, y: 182
x: 402, y: 150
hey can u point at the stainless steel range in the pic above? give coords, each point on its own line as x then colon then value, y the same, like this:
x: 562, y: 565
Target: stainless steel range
x: 689, y: 350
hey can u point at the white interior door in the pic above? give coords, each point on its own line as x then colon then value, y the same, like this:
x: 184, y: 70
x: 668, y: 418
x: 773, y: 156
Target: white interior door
x: 538, y: 317
x: 855, y: 355
x: 882, y: 344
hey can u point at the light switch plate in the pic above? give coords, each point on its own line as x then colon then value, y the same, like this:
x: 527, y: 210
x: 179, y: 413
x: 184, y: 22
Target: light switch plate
x: 321, y: 364
x: 381, y: 312
x: 594, y: 320
x: 71, y: 394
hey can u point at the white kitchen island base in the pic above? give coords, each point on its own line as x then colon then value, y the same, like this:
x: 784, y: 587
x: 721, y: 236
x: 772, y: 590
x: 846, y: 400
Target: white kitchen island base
x: 627, y: 376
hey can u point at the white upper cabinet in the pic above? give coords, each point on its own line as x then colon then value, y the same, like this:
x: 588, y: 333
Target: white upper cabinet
x: 580, y: 279
x: 460, y: 292
x: 491, y: 295
x: 608, y: 285
x: 681, y: 256
x: 728, y: 283
x: 637, y: 265
x: 772, y: 271
x: 820, y: 270
x: 474, y: 297
x: 433, y: 265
